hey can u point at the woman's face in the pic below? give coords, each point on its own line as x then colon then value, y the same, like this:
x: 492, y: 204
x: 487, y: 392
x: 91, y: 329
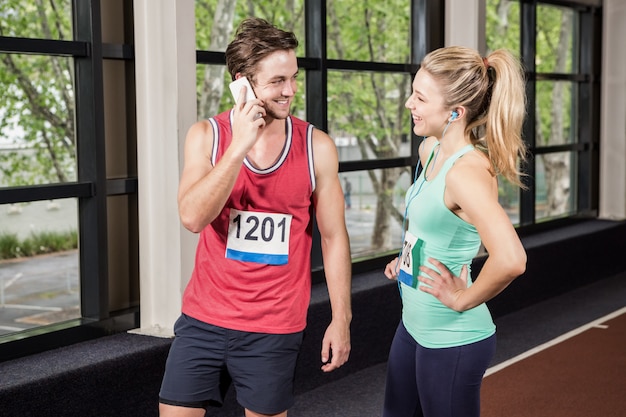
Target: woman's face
x: 426, y: 105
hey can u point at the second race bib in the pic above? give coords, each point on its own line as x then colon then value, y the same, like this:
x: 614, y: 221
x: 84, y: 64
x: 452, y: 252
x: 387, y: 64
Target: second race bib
x: 409, y: 261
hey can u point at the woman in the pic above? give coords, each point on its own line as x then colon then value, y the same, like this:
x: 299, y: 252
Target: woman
x: 470, y: 109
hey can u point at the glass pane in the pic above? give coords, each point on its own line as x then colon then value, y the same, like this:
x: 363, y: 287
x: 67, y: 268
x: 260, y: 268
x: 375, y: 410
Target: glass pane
x: 50, y: 19
x: 556, y: 52
x: 215, y: 97
x: 373, y: 31
x: 367, y: 116
x: 556, y: 182
x: 374, y: 218
x: 503, y: 25
x: 37, y: 144
x: 39, y: 282
x: 556, y: 113
x: 503, y: 31
x: 508, y: 196
x: 217, y: 20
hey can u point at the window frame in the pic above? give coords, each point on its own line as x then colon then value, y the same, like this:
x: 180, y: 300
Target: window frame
x: 427, y: 25
x: 91, y: 189
x: 587, y: 78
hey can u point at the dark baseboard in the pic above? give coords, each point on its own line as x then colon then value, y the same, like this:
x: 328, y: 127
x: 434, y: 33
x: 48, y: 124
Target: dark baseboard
x: 563, y: 260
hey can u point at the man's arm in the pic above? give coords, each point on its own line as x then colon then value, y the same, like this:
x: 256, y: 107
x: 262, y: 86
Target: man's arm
x: 204, y: 188
x: 329, y: 208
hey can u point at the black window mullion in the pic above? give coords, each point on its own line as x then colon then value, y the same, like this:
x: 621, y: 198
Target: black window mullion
x: 367, y: 66
x: 316, y: 93
x: 43, y: 46
x: 427, y: 27
x: 45, y: 192
x: 427, y: 34
x: 528, y: 52
x: 316, y: 79
x: 369, y: 164
x: 123, y: 52
x: 588, y: 111
x: 91, y: 162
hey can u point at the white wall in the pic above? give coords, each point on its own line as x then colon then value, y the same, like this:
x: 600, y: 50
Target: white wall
x: 465, y: 24
x: 613, y: 109
x: 165, y: 62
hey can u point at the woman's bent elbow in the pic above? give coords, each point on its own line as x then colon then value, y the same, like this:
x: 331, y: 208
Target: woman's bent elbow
x: 518, y: 266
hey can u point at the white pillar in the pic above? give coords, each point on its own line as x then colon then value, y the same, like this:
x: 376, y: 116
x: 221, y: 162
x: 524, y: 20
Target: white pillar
x: 165, y: 62
x: 613, y: 115
x: 465, y: 24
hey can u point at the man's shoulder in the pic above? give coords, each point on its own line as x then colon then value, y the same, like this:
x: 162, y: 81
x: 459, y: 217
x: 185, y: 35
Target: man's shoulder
x: 221, y: 121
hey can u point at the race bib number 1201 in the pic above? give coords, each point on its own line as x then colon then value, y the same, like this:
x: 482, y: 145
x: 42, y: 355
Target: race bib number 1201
x: 258, y: 237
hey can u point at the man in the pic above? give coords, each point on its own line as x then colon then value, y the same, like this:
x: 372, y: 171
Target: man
x: 347, y: 193
x: 252, y: 177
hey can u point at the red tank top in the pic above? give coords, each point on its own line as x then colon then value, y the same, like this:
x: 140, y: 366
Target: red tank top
x: 253, y: 262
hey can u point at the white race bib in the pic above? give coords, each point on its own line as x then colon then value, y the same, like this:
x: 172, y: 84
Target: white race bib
x: 406, y: 275
x: 258, y: 237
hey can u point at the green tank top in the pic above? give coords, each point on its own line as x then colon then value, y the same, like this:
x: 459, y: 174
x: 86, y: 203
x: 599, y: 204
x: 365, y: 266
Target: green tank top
x: 444, y: 236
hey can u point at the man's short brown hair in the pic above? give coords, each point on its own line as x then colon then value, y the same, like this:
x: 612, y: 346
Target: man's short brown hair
x: 254, y: 40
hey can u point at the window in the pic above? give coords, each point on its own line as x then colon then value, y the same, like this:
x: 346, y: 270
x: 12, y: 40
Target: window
x: 54, y: 190
x: 39, y: 249
x: 556, y: 103
x: 562, y: 105
x: 368, y: 45
x: 357, y: 73
x: 369, y: 31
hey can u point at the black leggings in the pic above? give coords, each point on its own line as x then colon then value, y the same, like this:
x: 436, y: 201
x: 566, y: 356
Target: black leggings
x: 445, y: 382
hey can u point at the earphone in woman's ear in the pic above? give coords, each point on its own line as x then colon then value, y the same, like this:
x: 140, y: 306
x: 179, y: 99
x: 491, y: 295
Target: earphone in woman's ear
x: 453, y: 116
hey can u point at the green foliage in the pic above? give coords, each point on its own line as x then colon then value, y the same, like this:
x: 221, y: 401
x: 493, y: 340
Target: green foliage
x: 49, y: 19
x: 36, y: 244
x: 37, y: 110
x: 287, y: 15
x: 367, y: 106
x: 554, y: 99
x: 369, y: 30
x: 503, y: 25
x: 9, y: 246
x: 554, y: 54
x: 555, y: 51
x: 551, y: 26
x: 216, y: 21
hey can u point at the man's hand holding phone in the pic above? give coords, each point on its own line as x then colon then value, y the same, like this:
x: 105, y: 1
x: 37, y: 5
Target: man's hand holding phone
x: 249, y: 112
x: 236, y: 87
x: 242, y: 93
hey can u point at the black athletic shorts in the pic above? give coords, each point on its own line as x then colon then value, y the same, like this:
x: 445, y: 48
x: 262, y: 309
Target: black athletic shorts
x: 204, y: 360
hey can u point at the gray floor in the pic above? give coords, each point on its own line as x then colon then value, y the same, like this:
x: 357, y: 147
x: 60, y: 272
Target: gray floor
x: 361, y: 394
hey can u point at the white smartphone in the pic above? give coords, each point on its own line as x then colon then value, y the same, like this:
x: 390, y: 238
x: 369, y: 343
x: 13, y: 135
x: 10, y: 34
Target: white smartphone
x: 235, y: 88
